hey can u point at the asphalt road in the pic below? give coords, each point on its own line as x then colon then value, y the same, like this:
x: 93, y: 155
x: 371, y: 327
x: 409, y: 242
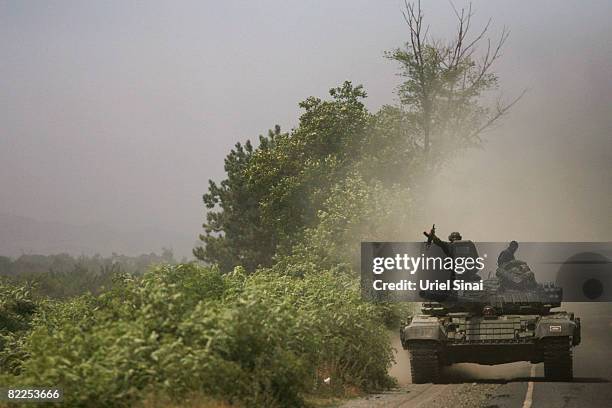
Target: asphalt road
x: 514, y: 385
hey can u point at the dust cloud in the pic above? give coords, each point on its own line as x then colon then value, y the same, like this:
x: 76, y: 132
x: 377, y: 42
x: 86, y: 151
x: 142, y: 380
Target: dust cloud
x: 544, y: 174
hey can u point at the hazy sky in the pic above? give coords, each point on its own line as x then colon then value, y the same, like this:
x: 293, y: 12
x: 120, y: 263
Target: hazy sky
x: 119, y: 112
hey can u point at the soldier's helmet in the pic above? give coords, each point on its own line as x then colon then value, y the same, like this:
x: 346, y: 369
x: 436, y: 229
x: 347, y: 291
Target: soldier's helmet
x: 454, y: 236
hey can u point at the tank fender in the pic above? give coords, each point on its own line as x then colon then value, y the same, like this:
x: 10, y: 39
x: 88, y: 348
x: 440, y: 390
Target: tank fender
x: 555, y: 328
x: 422, y: 329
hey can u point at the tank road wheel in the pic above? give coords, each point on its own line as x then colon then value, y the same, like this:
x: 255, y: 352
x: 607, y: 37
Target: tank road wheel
x: 558, y: 364
x: 424, y: 362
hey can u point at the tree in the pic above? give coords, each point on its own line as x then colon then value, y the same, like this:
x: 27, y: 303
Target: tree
x: 233, y: 231
x: 273, y: 192
x: 443, y: 86
x: 298, y: 173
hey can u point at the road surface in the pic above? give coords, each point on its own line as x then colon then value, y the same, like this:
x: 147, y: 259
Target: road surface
x: 517, y: 385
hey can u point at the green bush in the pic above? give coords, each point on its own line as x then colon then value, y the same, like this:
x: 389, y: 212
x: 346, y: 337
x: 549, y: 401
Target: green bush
x: 259, y: 340
x: 17, y: 309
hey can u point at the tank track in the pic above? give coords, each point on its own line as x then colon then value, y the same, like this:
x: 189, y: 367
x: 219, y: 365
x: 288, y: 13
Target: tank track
x: 424, y: 362
x: 558, y: 363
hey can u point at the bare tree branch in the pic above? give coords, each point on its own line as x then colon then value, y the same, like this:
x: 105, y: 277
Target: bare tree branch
x: 501, y: 110
x: 445, y: 80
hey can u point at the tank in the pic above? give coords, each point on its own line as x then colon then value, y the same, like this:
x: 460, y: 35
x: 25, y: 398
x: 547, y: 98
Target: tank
x: 510, y: 320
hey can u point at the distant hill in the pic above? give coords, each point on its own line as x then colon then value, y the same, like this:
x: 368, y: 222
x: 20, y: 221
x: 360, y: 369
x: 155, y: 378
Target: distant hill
x: 23, y: 235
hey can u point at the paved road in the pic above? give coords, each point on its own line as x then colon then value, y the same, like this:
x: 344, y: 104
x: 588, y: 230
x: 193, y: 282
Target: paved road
x: 517, y: 385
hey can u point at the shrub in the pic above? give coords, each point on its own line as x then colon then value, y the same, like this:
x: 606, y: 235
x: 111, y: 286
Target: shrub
x: 182, y: 330
x: 17, y: 309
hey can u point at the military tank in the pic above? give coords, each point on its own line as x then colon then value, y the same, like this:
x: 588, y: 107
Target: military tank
x: 510, y: 320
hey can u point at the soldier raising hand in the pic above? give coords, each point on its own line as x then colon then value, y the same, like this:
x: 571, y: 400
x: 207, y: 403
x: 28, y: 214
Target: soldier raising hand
x: 447, y: 247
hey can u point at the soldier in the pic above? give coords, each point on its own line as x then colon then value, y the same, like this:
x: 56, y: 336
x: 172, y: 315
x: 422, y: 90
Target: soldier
x: 447, y: 247
x: 456, y: 248
x: 507, y: 254
x: 516, y: 275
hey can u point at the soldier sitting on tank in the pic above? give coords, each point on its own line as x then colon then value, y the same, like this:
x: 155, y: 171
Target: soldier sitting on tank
x: 507, y: 254
x: 516, y: 274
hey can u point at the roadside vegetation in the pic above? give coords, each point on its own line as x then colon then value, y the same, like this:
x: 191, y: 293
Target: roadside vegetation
x: 258, y: 340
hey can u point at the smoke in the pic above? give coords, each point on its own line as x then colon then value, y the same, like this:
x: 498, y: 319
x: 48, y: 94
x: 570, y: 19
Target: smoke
x: 536, y: 180
x: 543, y: 174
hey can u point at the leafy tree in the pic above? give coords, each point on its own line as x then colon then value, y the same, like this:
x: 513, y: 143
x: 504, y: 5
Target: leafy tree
x: 272, y: 192
x: 444, y: 84
x: 355, y: 210
x: 300, y: 171
x: 234, y: 231
x: 391, y: 153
